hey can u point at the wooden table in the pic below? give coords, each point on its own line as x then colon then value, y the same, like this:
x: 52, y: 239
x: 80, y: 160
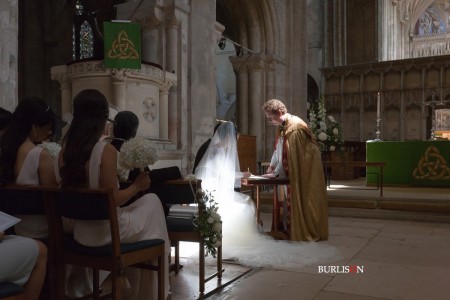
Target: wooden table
x: 259, y: 182
x: 360, y: 164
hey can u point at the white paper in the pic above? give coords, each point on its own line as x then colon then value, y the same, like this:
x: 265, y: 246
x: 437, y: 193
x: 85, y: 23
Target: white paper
x: 6, y: 221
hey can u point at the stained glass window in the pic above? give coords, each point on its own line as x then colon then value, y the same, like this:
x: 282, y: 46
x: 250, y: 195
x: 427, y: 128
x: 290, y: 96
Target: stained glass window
x: 86, y: 41
x: 82, y: 35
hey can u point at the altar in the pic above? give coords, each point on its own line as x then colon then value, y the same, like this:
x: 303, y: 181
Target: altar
x: 414, y: 163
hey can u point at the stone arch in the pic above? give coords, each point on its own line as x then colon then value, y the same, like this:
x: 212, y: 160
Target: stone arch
x: 255, y: 26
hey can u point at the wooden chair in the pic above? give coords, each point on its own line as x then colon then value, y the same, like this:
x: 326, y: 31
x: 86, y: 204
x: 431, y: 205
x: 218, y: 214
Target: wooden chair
x: 27, y: 200
x: 89, y: 204
x: 11, y: 291
x: 180, y: 192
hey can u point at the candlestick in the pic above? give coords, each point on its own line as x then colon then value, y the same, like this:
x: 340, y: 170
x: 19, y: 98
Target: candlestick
x: 378, y: 106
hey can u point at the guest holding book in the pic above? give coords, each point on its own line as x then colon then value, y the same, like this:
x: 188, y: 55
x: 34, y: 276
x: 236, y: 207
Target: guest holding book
x: 86, y: 161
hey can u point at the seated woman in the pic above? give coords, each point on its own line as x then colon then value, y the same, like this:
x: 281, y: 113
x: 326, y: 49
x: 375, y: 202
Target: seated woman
x: 125, y: 127
x: 85, y: 161
x: 23, y: 261
x: 23, y: 162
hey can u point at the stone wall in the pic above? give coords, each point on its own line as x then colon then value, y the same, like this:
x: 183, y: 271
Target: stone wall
x: 9, y: 30
x: 408, y: 89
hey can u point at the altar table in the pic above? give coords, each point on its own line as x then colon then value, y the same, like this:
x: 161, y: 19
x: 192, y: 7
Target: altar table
x: 417, y: 163
x: 258, y: 181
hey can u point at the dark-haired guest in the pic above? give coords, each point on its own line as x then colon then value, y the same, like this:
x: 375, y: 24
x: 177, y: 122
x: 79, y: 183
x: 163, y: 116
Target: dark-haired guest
x: 87, y: 161
x: 23, y: 162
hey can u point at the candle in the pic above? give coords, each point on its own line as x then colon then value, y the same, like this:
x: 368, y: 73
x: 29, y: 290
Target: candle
x: 378, y: 106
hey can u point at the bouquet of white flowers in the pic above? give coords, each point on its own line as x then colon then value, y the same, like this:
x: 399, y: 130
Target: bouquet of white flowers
x: 52, y: 147
x: 326, y: 129
x: 136, y: 153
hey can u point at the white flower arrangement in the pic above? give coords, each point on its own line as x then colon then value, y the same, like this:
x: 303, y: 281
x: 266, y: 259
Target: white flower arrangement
x: 52, y: 147
x: 136, y: 153
x: 208, y: 221
x: 326, y: 129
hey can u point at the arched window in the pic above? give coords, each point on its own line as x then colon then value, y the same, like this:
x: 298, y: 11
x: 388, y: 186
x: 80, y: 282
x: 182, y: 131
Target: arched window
x: 87, y: 40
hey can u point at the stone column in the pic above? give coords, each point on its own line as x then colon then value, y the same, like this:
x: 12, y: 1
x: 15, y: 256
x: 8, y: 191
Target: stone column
x: 120, y: 97
x: 242, y: 82
x: 255, y: 67
x: 172, y: 67
x: 163, y: 114
x: 59, y: 73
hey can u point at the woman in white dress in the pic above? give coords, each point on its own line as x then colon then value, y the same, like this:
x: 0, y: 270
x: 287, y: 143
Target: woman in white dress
x: 242, y: 240
x: 22, y: 161
x: 85, y: 161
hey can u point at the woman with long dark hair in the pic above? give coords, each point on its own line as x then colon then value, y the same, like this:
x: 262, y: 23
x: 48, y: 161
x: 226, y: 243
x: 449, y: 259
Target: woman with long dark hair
x: 86, y: 161
x: 23, y: 162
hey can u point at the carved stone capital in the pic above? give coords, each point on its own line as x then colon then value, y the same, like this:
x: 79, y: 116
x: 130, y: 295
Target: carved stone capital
x: 120, y: 74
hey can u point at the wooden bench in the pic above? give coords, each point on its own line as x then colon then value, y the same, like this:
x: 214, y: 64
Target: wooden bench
x: 358, y: 164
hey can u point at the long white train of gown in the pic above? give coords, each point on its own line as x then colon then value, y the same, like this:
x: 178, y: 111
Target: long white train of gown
x: 243, y: 242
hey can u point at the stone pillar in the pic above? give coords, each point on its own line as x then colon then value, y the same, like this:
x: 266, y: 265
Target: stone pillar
x: 255, y: 67
x: 120, y: 97
x: 172, y: 67
x: 59, y: 73
x: 163, y: 115
x: 242, y: 91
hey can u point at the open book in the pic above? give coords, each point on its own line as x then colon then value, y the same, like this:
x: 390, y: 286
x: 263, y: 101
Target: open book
x: 6, y: 221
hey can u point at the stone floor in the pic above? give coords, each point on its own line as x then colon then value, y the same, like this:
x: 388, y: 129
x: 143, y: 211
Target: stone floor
x: 399, y: 260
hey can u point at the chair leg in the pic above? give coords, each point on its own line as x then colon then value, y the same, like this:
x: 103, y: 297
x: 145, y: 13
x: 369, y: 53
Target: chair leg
x: 60, y: 280
x: 219, y: 262
x: 177, y: 256
x: 161, y: 277
x: 201, y: 266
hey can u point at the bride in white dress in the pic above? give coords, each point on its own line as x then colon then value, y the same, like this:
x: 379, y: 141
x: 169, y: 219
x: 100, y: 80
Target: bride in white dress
x: 242, y: 240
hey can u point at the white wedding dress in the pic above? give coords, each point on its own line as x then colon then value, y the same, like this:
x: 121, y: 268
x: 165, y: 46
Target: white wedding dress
x: 242, y: 241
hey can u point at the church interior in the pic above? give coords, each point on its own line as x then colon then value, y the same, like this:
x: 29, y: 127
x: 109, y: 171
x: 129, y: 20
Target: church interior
x: 380, y: 70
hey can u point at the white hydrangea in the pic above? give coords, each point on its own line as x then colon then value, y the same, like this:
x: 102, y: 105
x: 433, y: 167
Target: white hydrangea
x: 322, y: 136
x: 52, y: 147
x: 137, y: 153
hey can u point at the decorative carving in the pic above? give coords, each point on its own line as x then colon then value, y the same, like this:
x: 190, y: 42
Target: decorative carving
x: 120, y: 74
x: 122, y: 47
x: 432, y: 166
x: 149, y: 110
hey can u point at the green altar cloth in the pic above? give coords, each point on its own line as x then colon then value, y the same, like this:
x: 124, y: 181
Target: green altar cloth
x: 419, y: 163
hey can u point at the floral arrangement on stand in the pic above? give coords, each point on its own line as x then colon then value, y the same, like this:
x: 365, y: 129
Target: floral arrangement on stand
x: 135, y: 153
x: 208, y: 220
x: 326, y: 129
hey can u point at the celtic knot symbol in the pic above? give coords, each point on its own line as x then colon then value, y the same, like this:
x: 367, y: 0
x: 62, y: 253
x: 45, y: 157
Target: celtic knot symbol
x: 122, y: 47
x: 432, y: 165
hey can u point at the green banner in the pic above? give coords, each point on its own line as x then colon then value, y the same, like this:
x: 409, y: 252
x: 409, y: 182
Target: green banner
x: 122, y: 43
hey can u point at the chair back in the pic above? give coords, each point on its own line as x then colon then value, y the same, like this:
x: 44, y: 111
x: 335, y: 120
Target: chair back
x: 22, y: 200
x: 177, y: 191
x: 82, y: 204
